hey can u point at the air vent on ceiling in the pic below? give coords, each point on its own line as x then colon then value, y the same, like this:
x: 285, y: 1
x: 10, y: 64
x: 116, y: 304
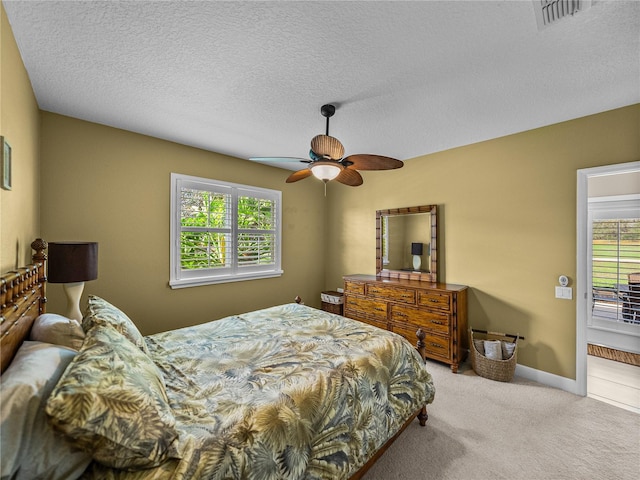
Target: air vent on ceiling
x: 549, y: 12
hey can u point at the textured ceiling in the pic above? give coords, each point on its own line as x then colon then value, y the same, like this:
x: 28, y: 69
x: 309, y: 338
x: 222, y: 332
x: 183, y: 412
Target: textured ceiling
x: 248, y: 78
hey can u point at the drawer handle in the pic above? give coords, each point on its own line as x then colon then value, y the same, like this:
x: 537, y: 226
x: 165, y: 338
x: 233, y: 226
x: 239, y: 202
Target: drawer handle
x: 434, y: 300
x: 436, y: 345
x: 437, y: 322
x: 400, y: 314
x: 379, y: 309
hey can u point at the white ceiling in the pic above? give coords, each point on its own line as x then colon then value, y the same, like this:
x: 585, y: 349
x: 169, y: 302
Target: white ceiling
x: 248, y: 78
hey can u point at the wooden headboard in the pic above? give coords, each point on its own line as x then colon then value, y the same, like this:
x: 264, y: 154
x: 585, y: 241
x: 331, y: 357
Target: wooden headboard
x: 22, y: 298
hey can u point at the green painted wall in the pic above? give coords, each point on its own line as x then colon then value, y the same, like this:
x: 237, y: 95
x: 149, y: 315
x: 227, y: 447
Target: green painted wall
x: 20, y: 125
x: 112, y: 186
x: 507, y: 224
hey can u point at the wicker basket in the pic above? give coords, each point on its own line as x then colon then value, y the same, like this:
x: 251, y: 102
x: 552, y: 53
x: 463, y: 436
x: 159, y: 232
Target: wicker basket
x: 500, y: 370
x: 332, y: 302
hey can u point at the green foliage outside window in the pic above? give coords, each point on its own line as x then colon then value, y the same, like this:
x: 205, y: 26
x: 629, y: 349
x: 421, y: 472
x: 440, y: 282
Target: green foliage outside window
x: 206, y: 234
x: 615, y: 251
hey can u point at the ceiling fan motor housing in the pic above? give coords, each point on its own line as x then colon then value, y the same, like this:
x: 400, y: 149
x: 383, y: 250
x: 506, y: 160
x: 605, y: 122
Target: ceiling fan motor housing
x: 327, y: 147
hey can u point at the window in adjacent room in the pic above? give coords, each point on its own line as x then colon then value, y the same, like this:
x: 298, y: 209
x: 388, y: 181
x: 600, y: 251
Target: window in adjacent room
x: 223, y: 232
x: 614, y: 224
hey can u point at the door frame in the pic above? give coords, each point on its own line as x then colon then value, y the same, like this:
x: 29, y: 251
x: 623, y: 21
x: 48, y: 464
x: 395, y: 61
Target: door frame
x: 582, y: 245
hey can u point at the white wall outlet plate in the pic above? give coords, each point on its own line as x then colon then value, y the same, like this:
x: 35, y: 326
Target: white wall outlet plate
x: 565, y: 293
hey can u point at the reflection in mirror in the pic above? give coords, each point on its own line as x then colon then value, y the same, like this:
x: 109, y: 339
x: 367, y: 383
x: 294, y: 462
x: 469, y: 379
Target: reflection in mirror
x: 406, y: 243
x: 402, y: 235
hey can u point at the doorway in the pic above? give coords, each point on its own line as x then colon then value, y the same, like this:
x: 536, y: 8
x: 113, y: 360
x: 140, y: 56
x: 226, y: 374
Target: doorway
x: 620, y: 181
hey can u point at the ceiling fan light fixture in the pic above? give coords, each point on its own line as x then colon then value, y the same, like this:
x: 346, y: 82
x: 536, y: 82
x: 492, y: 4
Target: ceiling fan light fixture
x: 326, y: 171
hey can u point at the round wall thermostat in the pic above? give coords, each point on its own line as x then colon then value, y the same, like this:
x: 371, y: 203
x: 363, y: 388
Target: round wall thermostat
x: 563, y: 280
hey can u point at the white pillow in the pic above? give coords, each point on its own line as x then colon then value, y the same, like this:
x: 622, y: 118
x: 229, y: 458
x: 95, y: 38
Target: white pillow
x: 493, y: 349
x: 507, y: 350
x: 31, y: 448
x: 58, y: 330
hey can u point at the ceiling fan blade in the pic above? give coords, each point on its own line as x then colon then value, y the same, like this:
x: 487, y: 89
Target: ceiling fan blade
x: 365, y: 161
x: 349, y: 177
x: 299, y: 175
x: 279, y: 159
x: 327, y: 147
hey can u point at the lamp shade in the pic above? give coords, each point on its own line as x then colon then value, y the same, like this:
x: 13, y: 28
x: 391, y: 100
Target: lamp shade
x: 416, y: 249
x: 71, y: 262
x: 326, y: 171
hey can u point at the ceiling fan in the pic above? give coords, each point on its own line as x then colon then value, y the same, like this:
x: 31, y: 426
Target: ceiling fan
x: 327, y: 161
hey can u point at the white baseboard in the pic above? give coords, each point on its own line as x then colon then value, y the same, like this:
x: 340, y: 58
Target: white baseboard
x: 546, y: 378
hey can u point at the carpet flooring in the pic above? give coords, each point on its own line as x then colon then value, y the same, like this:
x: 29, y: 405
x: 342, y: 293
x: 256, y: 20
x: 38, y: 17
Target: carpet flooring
x: 482, y: 429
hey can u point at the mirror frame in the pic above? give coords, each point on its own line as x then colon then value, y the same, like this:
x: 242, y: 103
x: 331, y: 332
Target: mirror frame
x: 430, y: 276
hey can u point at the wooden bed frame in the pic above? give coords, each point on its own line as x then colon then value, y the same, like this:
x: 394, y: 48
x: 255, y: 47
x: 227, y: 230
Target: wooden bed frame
x: 23, y: 298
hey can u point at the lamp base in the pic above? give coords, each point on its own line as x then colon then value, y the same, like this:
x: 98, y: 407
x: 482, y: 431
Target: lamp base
x: 73, y: 291
x: 417, y: 262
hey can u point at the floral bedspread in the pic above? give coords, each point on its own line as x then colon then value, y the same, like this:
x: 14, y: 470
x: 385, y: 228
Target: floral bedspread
x: 288, y: 392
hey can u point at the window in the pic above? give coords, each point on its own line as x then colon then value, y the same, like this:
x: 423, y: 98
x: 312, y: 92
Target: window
x: 223, y: 232
x: 614, y: 224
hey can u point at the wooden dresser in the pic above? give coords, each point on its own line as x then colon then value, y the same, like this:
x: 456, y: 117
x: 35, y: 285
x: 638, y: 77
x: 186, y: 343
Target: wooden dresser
x: 404, y: 306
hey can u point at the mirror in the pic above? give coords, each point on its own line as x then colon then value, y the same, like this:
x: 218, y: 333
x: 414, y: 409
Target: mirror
x: 406, y: 243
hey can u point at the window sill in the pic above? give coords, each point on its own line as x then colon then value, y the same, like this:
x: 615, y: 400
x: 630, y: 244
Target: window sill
x: 197, y: 282
x: 614, y: 326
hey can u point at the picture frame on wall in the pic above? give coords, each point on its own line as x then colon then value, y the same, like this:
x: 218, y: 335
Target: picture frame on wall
x: 5, y: 152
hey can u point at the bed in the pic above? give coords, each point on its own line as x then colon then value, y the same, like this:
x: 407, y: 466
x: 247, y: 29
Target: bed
x: 283, y: 392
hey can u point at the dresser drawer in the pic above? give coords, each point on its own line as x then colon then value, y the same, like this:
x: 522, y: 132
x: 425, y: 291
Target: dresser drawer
x: 428, y: 320
x: 373, y: 322
x: 435, y: 345
x: 438, y: 346
x: 354, y: 287
x: 408, y: 331
x: 366, y: 307
x: 438, y: 300
x: 396, y: 294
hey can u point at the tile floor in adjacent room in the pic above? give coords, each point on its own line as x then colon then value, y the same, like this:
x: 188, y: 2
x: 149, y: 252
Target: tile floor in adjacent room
x: 614, y: 382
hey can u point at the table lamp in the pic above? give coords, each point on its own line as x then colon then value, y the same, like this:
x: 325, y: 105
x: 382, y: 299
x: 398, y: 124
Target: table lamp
x: 416, y: 251
x: 73, y: 263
